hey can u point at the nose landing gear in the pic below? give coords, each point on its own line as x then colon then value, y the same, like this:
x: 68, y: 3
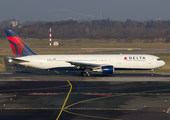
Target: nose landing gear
x: 152, y: 70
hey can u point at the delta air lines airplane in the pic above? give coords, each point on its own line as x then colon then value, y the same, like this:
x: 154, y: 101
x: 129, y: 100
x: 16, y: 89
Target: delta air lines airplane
x: 86, y: 63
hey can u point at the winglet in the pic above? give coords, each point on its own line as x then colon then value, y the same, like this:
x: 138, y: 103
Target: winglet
x: 18, y: 47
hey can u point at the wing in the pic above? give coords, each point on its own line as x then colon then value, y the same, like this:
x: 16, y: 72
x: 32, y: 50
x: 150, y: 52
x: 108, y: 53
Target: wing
x: 83, y: 65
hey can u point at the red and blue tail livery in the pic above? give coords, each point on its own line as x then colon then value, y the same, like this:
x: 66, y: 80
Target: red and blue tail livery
x: 18, y: 47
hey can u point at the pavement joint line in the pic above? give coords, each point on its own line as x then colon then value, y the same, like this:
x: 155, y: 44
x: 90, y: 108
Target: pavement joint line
x: 124, y: 86
x: 99, y: 94
x: 85, y: 87
x: 41, y: 94
x: 28, y: 108
x: 102, y: 94
x: 36, y: 88
x: 67, y: 109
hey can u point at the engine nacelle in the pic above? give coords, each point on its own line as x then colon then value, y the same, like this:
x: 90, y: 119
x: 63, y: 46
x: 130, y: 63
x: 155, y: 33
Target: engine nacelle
x: 107, y: 69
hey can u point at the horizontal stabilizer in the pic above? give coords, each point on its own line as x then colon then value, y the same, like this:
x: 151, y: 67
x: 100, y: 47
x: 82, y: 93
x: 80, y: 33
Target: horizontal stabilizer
x: 13, y: 59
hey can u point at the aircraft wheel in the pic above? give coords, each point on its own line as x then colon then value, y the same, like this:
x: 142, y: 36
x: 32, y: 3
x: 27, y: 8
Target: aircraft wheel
x: 84, y: 74
x: 151, y: 74
x: 152, y: 70
x: 88, y: 74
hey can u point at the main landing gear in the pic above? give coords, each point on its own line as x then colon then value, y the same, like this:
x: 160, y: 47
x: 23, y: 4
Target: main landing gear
x: 152, y: 70
x: 85, y: 74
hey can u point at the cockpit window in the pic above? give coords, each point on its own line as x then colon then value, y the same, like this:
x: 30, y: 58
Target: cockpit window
x: 159, y: 59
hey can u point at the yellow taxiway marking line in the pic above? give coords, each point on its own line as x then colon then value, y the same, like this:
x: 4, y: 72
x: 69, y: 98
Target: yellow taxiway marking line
x: 91, y: 100
x: 124, y: 94
x: 90, y: 116
x: 56, y: 71
x: 65, y: 100
x: 136, y: 93
x: 154, y: 91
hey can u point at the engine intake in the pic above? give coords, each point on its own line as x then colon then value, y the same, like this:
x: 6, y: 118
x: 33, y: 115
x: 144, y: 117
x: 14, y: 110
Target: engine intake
x: 107, y: 69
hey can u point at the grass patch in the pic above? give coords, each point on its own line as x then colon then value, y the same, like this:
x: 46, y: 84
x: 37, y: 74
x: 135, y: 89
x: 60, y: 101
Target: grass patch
x: 8, y: 52
x: 82, y: 44
x: 2, y: 65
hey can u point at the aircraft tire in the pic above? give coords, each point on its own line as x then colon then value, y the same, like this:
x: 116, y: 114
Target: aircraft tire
x: 84, y: 74
x: 151, y: 74
x: 88, y: 74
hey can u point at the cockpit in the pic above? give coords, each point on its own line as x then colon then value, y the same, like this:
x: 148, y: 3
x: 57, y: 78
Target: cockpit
x: 159, y: 59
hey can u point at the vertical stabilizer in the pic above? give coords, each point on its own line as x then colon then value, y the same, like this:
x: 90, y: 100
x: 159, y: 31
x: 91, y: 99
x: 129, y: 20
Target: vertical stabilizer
x: 18, y: 47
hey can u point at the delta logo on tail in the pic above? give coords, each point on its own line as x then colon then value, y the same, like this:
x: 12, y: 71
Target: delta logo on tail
x: 19, y: 48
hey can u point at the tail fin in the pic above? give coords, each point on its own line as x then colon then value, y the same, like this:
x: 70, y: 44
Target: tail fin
x: 18, y: 47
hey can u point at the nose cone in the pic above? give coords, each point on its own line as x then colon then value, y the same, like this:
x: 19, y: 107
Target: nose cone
x: 162, y: 63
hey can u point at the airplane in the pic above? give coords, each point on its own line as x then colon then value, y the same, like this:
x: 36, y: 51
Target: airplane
x: 86, y: 63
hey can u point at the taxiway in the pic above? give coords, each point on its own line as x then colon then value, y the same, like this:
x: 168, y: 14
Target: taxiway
x: 63, y: 99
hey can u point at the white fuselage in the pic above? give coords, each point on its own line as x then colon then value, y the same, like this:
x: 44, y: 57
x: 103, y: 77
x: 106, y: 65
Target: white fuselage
x: 119, y: 61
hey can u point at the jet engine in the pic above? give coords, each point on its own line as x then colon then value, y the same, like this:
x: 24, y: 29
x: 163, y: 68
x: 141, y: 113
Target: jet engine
x: 107, y: 69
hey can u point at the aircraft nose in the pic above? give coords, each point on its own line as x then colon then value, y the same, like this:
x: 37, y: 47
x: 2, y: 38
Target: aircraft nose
x: 163, y: 63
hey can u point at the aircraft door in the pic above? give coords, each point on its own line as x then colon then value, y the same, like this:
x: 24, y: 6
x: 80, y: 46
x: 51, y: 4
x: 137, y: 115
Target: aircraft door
x: 119, y: 61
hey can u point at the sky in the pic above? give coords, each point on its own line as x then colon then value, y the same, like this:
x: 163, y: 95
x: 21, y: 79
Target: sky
x: 55, y: 10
